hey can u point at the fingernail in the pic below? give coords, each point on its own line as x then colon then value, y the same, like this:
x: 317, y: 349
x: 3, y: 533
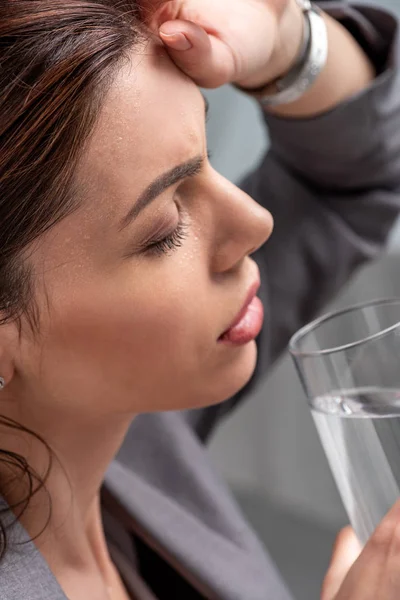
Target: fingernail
x: 176, y: 41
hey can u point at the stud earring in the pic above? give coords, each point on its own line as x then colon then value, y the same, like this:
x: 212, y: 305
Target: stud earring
x: 2, y: 383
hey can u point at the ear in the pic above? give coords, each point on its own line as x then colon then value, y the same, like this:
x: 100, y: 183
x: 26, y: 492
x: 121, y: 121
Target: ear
x: 8, y: 351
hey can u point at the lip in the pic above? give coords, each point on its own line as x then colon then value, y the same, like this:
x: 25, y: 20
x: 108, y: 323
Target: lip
x: 251, y: 294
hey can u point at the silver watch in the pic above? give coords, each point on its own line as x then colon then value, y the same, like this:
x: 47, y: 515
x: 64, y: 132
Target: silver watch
x: 311, y: 61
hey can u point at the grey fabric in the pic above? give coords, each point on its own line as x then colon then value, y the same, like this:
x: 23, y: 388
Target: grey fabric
x: 333, y: 186
x: 24, y: 575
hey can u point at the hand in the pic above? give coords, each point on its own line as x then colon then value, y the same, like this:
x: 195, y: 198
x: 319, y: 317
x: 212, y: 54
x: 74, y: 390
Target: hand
x: 248, y: 42
x: 374, y: 573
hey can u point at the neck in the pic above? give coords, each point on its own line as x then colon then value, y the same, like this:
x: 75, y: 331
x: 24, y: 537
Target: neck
x: 73, y: 534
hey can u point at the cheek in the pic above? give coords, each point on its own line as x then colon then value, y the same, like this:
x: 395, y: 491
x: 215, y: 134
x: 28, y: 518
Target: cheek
x: 127, y: 340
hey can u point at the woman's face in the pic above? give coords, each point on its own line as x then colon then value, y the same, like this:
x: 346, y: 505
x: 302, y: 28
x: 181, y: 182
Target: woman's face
x: 132, y: 308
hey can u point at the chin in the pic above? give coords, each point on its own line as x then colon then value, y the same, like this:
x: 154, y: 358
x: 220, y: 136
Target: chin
x: 211, y: 386
x: 232, y: 377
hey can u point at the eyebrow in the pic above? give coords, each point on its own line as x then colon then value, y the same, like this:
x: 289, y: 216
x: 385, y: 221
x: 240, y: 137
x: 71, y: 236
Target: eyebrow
x: 183, y: 171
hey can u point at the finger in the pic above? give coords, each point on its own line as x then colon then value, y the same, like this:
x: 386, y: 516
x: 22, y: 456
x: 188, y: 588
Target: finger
x: 188, y: 45
x: 346, y: 550
x: 196, y: 53
x: 375, y: 573
x: 383, y: 550
x: 173, y: 32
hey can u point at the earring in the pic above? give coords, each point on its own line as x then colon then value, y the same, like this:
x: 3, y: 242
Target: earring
x: 2, y: 383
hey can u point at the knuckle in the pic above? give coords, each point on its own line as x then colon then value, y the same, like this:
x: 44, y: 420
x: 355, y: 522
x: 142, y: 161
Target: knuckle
x: 386, y: 536
x: 342, y: 539
x: 346, y: 533
x: 381, y: 537
x: 395, y: 542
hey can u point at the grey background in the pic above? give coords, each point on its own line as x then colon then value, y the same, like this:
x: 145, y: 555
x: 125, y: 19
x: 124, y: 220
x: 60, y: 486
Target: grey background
x: 269, y: 451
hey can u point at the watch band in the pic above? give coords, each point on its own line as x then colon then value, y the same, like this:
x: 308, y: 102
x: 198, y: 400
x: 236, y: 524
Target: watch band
x: 311, y: 61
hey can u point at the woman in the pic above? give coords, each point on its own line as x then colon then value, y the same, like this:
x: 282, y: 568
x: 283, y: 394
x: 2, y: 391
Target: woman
x: 127, y: 285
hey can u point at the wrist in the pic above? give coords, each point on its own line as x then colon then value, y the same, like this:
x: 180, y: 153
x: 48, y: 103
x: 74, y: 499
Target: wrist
x: 348, y: 71
x: 287, y: 48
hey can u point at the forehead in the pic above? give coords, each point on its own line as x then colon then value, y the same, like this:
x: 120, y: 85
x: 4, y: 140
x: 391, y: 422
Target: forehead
x: 152, y: 120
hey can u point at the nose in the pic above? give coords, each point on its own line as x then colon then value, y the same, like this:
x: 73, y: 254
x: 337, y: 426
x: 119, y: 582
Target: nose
x: 241, y: 225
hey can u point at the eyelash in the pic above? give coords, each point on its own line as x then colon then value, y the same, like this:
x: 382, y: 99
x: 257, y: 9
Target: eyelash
x: 171, y: 242
x: 174, y: 240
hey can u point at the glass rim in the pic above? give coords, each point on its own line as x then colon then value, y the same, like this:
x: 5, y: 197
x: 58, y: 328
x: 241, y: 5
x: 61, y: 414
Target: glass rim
x: 306, y: 329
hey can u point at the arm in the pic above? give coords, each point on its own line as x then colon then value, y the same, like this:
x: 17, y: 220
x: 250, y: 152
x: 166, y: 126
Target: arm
x: 348, y: 70
x: 332, y: 183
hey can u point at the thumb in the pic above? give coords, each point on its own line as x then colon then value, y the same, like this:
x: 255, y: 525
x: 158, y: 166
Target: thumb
x: 192, y: 50
x: 346, y: 550
x: 188, y: 45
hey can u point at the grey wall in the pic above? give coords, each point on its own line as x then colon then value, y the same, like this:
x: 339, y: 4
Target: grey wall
x: 270, y: 444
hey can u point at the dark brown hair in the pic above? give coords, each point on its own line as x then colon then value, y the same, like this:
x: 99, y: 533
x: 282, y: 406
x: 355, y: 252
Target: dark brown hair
x: 57, y: 60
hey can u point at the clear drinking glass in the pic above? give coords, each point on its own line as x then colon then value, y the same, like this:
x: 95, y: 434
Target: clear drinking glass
x: 349, y: 365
